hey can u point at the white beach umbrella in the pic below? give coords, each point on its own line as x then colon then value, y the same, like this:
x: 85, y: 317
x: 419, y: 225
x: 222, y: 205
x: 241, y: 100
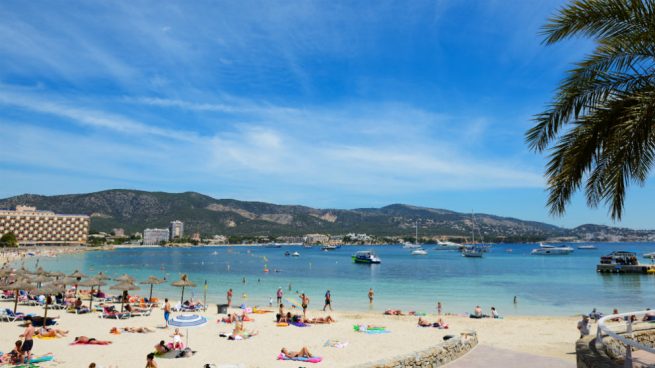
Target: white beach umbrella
x: 187, y: 321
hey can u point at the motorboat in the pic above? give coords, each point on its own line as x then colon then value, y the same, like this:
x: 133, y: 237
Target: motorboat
x: 472, y: 251
x: 650, y: 255
x: 329, y: 247
x: 551, y: 250
x: 307, y: 246
x: 408, y: 245
x: 419, y: 252
x: 272, y: 245
x: 287, y: 253
x: 587, y: 246
x: 447, y: 245
x: 295, y: 254
x: 366, y: 257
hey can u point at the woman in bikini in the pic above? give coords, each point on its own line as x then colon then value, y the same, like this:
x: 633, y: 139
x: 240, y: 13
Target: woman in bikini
x: 304, y: 353
x: 90, y: 341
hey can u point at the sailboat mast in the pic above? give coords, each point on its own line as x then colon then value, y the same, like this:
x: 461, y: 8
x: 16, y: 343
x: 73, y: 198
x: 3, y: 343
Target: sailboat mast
x: 416, y: 237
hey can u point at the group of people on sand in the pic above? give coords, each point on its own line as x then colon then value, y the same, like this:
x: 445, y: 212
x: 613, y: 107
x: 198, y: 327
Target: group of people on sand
x: 288, y: 317
x: 438, y: 324
x: 477, y: 313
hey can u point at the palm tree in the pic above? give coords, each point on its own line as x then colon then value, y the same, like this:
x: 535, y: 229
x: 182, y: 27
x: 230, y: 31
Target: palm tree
x: 600, y: 127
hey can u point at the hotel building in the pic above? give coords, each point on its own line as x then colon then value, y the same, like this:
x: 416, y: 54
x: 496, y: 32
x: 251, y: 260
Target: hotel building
x: 155, y: 236
x: 176, y: 229
x: 44, y: 227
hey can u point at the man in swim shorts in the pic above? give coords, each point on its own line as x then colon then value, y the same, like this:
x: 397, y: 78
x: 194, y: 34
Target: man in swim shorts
x: 328, y: 300
x: 304, y: 299
x: 167, y: 311
x: 28, y: 342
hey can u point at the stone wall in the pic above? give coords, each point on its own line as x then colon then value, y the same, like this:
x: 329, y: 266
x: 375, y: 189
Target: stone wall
x: 435, y: 356
x: 609, y: 355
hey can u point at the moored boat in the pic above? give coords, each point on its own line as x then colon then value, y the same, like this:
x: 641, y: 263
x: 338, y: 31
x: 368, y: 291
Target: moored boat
x: 329, y: 247
x: 295, y: 254
x: 650, y: 255
x: 551, y: 250
x: 447, y: 245
x: 472, y: 251
x: 419, y: 252
x: 366, y: 257
x: 587, y: 246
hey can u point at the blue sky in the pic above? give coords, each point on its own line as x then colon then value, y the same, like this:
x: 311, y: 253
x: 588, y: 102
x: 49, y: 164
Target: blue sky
x: 327, y: 104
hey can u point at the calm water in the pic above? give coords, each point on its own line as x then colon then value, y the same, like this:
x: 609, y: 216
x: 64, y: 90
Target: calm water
x: 552, y: 285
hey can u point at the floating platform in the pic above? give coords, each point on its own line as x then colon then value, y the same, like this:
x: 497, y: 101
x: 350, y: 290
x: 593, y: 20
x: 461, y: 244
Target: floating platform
x: 618, y: 268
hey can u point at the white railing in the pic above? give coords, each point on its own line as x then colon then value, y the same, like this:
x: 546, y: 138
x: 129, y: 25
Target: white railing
x: 629, y: 320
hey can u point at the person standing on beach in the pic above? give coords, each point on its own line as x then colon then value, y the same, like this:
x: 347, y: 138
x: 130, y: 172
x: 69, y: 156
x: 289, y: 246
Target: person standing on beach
x: 167, y: 311
x: 438, y: 308
x: 370, y: 296
x: 304, y: 299
x: 229, y: 298
x: 583, y: 326
x: 289, y: 286
x: 279, y: 295
x: 328, y: 301
x: 28, y: 342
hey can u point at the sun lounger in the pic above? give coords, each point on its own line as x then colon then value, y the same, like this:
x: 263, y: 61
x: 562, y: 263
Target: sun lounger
x: 106, y: 313
x: 140, y: 313
x: 10, y: 316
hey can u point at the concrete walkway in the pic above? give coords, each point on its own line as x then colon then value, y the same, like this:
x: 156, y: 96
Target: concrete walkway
x: 484, y: 356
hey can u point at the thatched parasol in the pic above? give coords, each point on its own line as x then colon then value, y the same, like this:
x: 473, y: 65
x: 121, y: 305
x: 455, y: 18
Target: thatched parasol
x: 124, y: 287
x: 40, y: 279
x: 48, y: 290
x: 17, y: 286
x: 183, y: 282
x: 125, y: 278
x: 91, y: 283
x: 57, y: 275
x: 102, y: 276
x: 152, y: 280
x: 77, y: 274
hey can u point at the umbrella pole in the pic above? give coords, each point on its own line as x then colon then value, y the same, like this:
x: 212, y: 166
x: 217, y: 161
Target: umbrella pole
x: 182, y: 299
x: 150, y: 299
x: 91, y: 303
x: 16, y: 302
x: 45, y: 314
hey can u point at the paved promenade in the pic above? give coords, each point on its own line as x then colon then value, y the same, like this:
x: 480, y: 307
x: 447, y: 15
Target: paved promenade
x: 484, y: 356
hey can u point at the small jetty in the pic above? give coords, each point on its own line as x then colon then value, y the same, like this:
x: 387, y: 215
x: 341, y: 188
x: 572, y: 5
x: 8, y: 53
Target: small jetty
x: 623, y: 262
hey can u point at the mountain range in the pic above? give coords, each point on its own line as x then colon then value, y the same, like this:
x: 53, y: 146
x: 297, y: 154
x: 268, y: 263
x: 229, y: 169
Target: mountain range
x: 135, y: 210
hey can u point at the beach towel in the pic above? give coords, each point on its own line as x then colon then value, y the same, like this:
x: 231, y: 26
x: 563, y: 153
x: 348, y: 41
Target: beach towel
x: 45, y: 337
x: 372, y: 331
x: 300, y: 359
x: 336, y: 344
x: 43, y: 358
x: 300, y: 324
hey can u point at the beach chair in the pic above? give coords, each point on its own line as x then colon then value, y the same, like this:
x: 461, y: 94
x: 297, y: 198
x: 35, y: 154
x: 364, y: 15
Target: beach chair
x: 12, y: 317
x: 106, y: 313
x: 141, y: 313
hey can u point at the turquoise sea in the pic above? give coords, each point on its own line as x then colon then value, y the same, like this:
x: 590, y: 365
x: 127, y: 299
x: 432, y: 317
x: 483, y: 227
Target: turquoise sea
x: 544, y: 285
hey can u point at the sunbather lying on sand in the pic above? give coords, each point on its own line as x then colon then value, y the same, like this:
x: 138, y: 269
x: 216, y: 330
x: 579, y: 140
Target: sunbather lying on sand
x: 321, y: 320
x: 304, y: 352
x: 51, y: 332
x: 394, y: 312
x: 90, y: 341
x: 116, y: 330
x: 231, y: 318
x: 439, y: 324
x: 245, y: 318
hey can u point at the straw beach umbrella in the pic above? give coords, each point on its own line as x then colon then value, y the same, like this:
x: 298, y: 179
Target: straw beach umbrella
x: 48, y: 290
x: 183, y: 282
x: 39, y: 279
x: 20, y: 285
x: 152, y: 280
x: 124, y: 287
x: 77, y: 274
x: 125, y: 278
x: 91, y: 283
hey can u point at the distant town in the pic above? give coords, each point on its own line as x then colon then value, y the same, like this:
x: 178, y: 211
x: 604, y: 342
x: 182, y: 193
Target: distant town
x: 27, y: 225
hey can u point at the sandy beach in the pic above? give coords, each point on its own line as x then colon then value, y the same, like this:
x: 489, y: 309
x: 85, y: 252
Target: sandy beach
x: 546, y: 336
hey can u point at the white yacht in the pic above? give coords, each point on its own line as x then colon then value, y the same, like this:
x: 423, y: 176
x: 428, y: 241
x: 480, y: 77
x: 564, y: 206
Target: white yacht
x: 419, y: 252
x: 472, y: 251
x: 551, y: 250
x: 415, y: 245
x: 650, y: 255
x: 587, y: 246
x: 447, y: 245
x: 295, y: 254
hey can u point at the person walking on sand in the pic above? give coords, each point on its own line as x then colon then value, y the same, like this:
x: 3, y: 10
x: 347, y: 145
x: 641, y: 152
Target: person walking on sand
x: 304, y: 300
x: 167, y: 311
x: 371, y: 294
x: 438, y: 308
x: 328, y: 301
x: 229, y: 298
x: 279, y: 295
x: 584, y: 326
x: 28, y: 342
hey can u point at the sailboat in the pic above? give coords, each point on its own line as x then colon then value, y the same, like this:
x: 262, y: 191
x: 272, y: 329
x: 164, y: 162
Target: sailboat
x: 417, y: 248
x: 473, y: 250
